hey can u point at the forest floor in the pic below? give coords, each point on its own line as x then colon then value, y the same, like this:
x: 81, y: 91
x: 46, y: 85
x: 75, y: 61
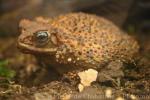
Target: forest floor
x: 24, y: 78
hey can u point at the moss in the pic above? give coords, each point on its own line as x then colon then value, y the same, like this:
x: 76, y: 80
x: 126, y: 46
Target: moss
x: 5, y: 71
x: 131, y: 29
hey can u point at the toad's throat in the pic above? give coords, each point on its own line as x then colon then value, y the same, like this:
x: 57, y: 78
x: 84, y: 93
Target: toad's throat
x: 30, y: 49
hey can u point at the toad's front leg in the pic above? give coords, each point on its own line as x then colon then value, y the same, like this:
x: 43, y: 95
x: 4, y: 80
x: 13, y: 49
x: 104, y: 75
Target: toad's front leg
x: 112, y: 72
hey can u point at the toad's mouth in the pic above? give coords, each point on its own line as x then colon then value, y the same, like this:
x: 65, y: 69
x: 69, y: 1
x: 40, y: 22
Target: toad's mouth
x: 35, y: 50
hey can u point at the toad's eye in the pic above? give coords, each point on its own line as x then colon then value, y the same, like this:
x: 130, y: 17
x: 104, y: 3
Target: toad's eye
x: 41, y: 38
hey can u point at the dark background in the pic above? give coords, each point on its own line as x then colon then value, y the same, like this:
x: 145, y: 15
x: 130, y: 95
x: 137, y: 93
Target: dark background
x: 121, y: 12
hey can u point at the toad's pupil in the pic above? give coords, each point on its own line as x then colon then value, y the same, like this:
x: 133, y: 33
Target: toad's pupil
x: 41, y: 36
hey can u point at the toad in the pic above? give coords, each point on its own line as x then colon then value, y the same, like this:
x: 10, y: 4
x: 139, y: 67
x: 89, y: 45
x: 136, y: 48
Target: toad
x: 76, y: 41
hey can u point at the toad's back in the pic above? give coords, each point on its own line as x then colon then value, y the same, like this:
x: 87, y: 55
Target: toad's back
x: 98, y: 40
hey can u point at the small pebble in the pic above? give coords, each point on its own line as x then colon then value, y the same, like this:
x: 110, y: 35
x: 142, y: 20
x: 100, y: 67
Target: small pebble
x: 133, y: 97
x: 69, y: 59
x: 120, y: 98
x: 57, y: 56
x: 80, y: 87
x: 108, y: 93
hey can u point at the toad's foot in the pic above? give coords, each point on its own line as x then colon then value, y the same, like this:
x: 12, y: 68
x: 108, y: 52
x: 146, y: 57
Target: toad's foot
x: 112, y: 72
x: 71, y: 78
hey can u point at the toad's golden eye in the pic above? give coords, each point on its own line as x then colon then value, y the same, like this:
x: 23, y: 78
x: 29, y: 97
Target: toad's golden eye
x: 41, y: 38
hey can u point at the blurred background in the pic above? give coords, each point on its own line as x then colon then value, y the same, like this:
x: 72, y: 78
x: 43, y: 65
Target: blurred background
x: 132, y: 16
x: 135, y: 12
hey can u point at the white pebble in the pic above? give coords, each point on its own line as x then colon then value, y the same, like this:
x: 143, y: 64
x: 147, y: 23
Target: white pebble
x: 133, y: 97
x: 78, y: 58
x: 119, y: 98
x: 88, y: 76
x: 108, y: 93
x: 69, y: 59
x: 57, y: 56
x: 80, y: 87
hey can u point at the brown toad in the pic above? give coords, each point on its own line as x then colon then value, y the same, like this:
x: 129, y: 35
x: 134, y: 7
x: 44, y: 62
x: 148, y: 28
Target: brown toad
x: 76, y: 41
